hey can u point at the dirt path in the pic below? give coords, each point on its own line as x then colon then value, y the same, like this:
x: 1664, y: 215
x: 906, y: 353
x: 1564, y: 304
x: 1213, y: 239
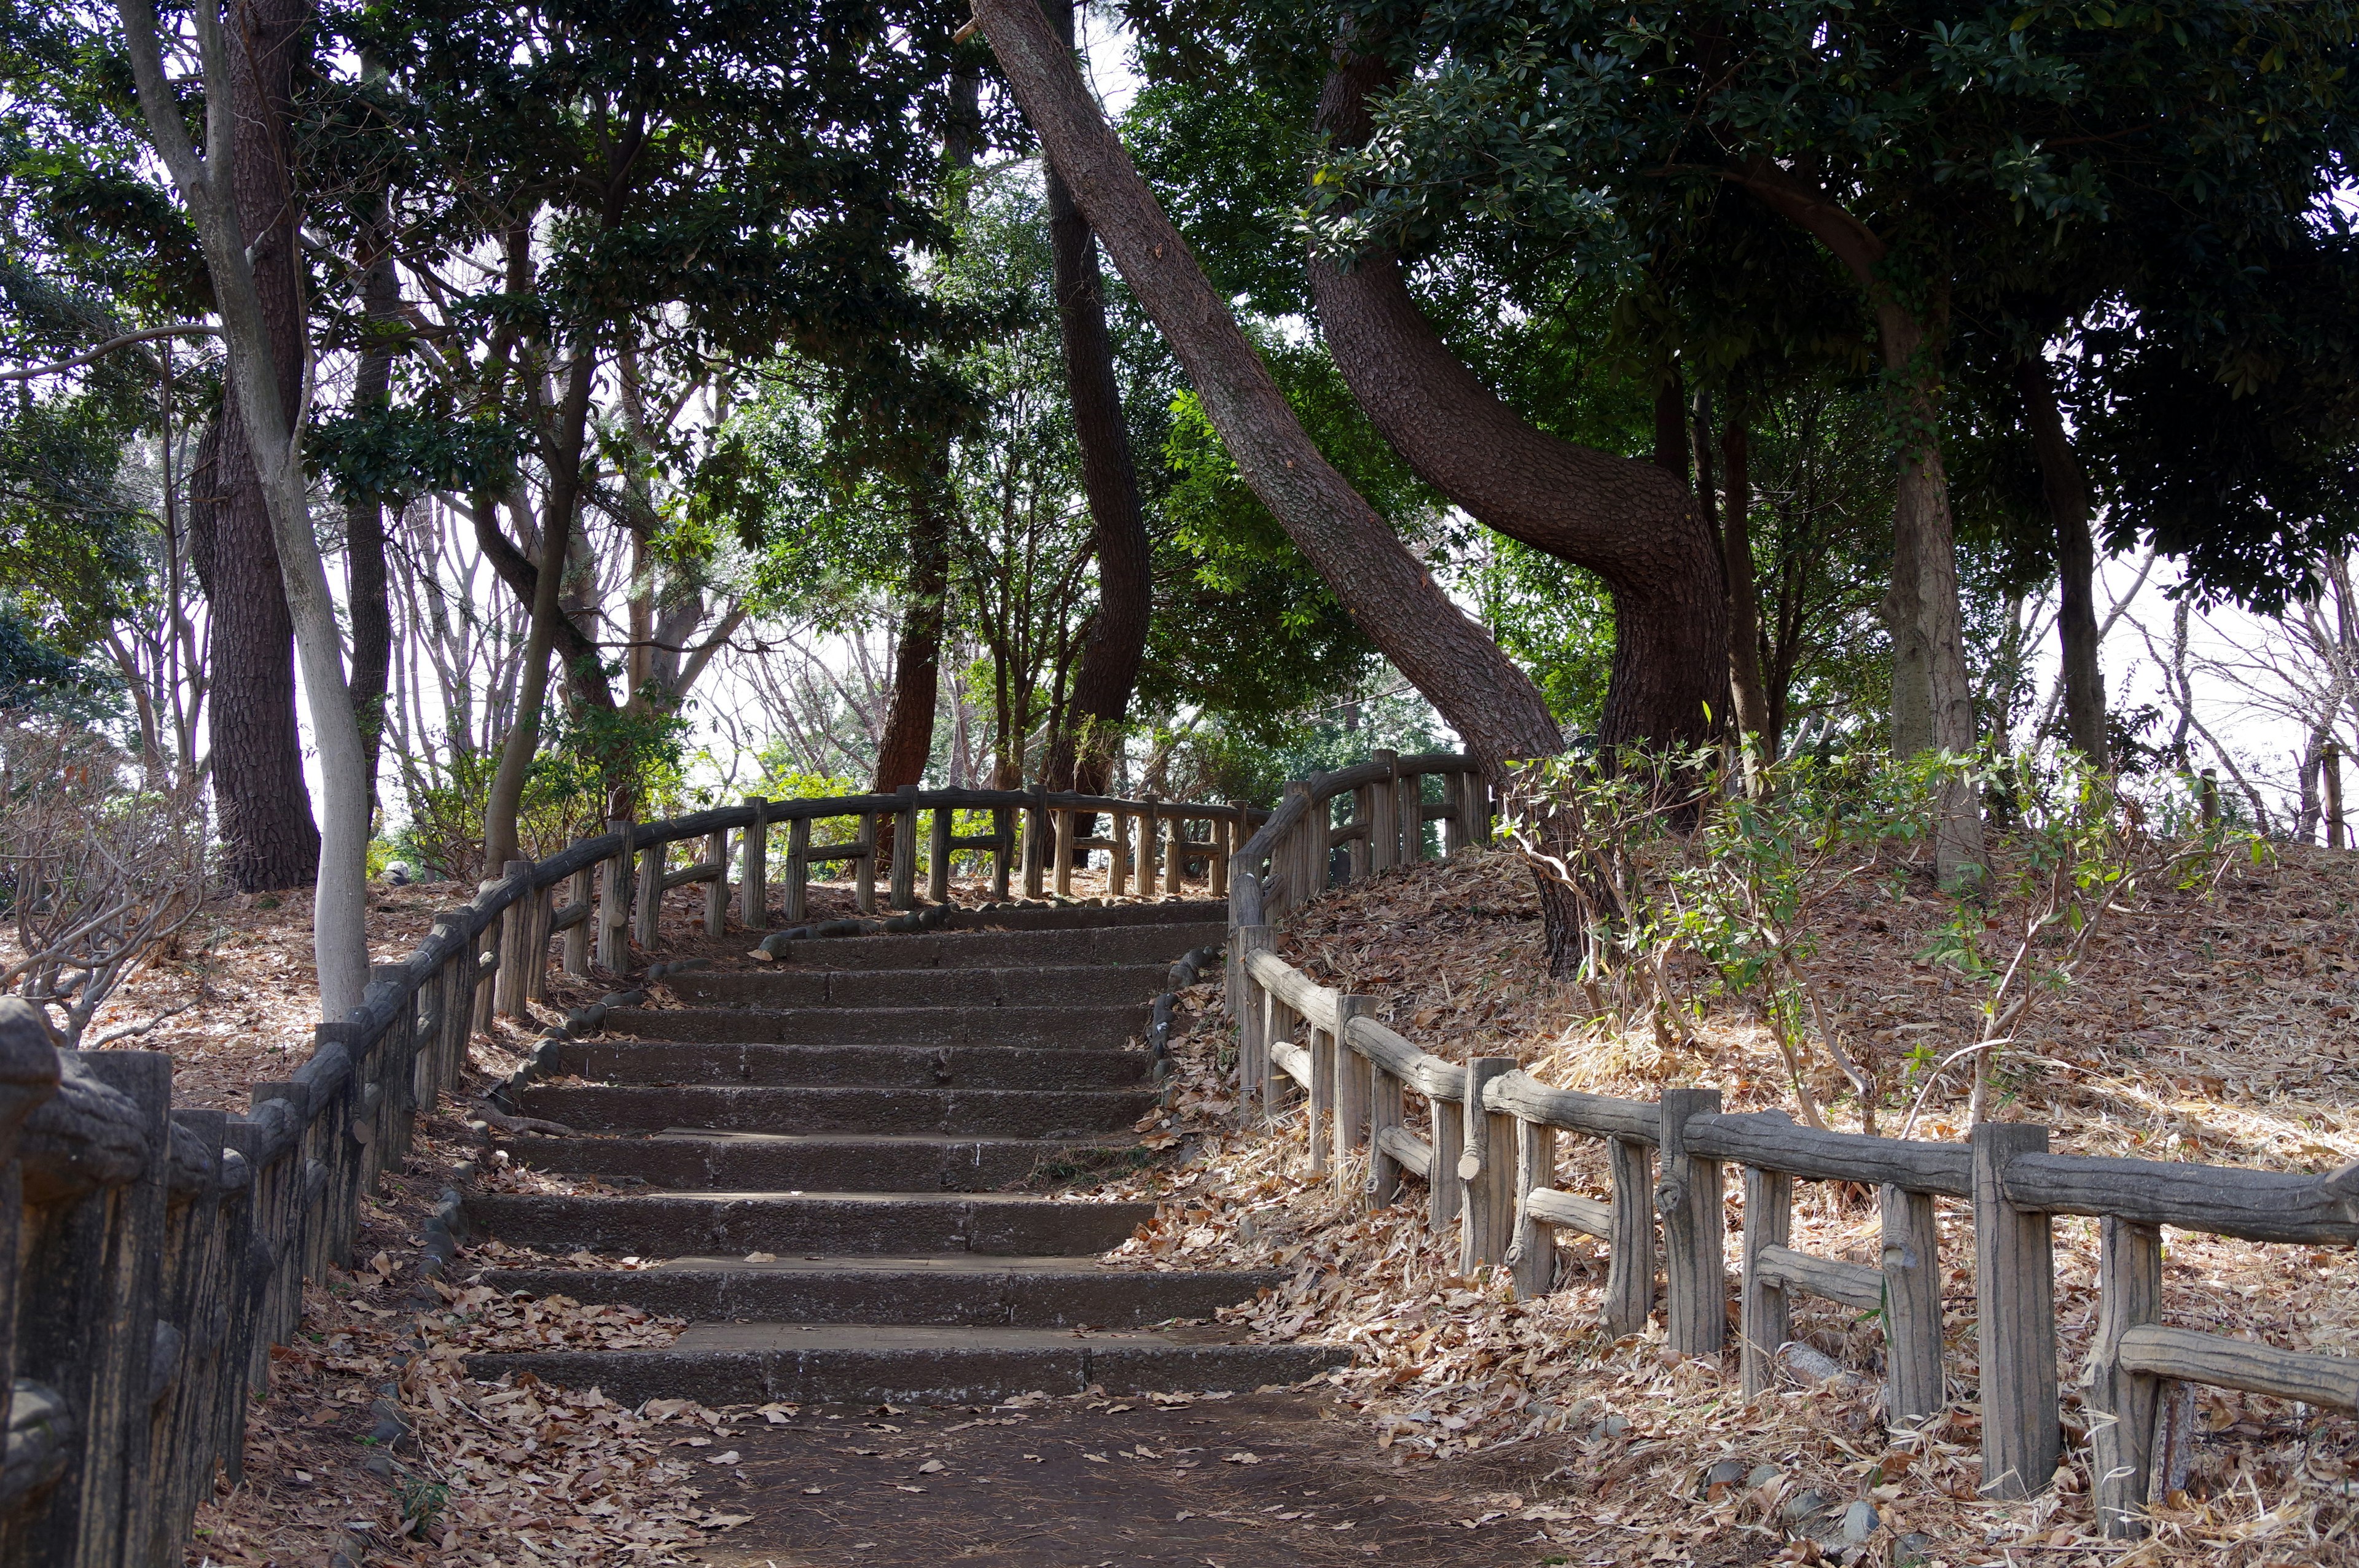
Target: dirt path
x: 1094, y: 1483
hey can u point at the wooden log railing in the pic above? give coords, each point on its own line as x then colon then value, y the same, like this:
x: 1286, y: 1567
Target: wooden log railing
x: 152, y: 1255
x: 1490, y: 1166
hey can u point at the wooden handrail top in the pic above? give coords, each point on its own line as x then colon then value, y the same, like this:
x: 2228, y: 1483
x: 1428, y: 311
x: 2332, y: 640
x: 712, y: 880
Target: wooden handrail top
x: 2256, y: 1206
x: 2196, y: 1357
x: 1601, y: 1116
x: 1771, y: 1141
x: 1431, y: 1075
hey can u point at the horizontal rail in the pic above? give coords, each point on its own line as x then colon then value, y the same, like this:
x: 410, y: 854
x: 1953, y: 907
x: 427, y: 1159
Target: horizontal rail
x: 1520, y: 1094
x: 1433, y: 1076
x: 1571, y: 1211
x: 2257, y: 1205
x: 1853, y: 1286
x: 1294, y: 1059
x: 687, y: 874
x: 2194, y: 1357
x: 1769, y: 1141
x: 1414, y: 1154
x: 1297, y: 990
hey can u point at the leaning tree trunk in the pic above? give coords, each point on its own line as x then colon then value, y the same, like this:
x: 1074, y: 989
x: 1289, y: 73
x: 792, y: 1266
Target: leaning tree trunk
x: 372, y: 611
x: 1633, y: 524
x: 1744, y: 682
x: 1494, y: 706
x: 2066, y: 488
x: 1087, y: 740
x: 903, y: 751
x: 269, y: 839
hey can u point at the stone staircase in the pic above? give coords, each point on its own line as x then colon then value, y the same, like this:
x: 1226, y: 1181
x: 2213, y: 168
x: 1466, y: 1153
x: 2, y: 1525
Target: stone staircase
x: 825, y: 1149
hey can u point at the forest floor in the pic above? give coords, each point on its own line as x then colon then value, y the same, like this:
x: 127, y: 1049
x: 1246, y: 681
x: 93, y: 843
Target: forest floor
x: 2212, y: 1024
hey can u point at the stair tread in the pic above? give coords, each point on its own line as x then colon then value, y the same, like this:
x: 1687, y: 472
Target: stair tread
x: 1087, y: 1266
x: 875, y: 1336
x: 815, y: 1196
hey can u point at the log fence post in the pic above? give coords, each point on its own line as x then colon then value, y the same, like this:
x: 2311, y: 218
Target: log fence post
x: 1385, y: 1115
x: 1118, y: 858
x: 938, y: 855
x: 1175, y: 856
x: 1003, y: 849
x: 1915, y: 1388
x: 754, y: 868
x: 864, y: 881
x: 1444, y: 1188
x: 1763, y: 1310
x: 647, y: 910
x: 903, y: 892
x: 1486, y: 1171
x: 1532, y: 1252
x: 1359, y: 855
x: 798, y: 892
x: 1063, y: 816
x: 510, y: 980
x: 1687, y: 1195
x: 1144, y: 865
x: 1353, y: 1089
x: 1037, y: 843
x: 2014, y: 1297
x: 1630, y: 1260
x: 2122, y: 1403
x: 614, y: 901
x: 581, y: 889
x: 716, y: 891
x: 1247, y: 1004
x: 1322, y: 1095
x: 1383, y: 815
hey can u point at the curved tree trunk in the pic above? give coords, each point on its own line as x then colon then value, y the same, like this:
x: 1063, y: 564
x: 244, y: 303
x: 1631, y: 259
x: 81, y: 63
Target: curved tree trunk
x: 1494, y: 706
x: 1632, y: 522
x: 1091, y: 734
x: 372, y: 612
x: 1744, y: 682
x: 269, y: 839
x: 2067, y: 491
x: 909, y: 740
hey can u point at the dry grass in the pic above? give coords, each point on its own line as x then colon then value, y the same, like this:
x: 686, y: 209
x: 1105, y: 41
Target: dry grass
x: 2209, y: 1026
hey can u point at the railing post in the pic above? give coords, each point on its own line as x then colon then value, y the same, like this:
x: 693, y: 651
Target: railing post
x: 1359, y: 855
x: 1245, y: 1004
x: 1063, y: 816
x: 753, y: 868
x: 1175, y: 857
x: 1454, y: 835
x: 482, y: 999
x: 1228, y: 833
x: 938, y: 856
x: 1630, y: 1263
x: 1037, y: 845
x: 1322, y: 1095
x: 2121, y: 1403
x: 1144, y: 864
x: 1277, y: 1024
x: 1912, y: 1306
x: 1531, y: 1253
x: 1002, y: 850
x: 648, y: 909
x: 580, y: 888
x: 904, y: 891
x: 1385, y: 1115
x: 1408, y: 811
x: 508, y: 982
x: 798, y: 899
x: 864, y: 882
x: 1687, y: 1194
x: 1384, y: 816
x: 1444, y: 1190
x: 716, y: 891
x: 2014, y: 1297
x: 1486, y: 1170
x: 614, y: 901
x: 1353, y: 1086
x: 1118, y: 858
x: 1767, y: 1317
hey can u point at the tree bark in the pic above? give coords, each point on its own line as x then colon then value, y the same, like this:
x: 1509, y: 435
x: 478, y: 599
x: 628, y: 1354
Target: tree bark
x: 1633, y: 523
x: 270, y: 841
x: 371, y: 610
x: 564, y: 459
x: 2066, y: 488
x: 907, y: 743
x: 1090, y: 733
x: 1932, y: 698
x: 1494, y: 706
x: 1745, y: 681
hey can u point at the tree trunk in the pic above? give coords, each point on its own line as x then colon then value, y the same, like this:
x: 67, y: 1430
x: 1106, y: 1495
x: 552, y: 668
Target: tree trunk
x: 270, y: 842
x: 1635, y: 523
x: 2066, y: 489
x: 371, y: 610
x: 903, y: 751
x: 1090, y: 733
x: 1745, y: 681
x: 564, y: 459
x: 1494, y: 706
x: 1933, y: 699
x: 269, y: 839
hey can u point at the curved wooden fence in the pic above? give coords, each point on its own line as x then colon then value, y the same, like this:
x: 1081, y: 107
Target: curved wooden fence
x: 1490, y: 1169
x: 157, y: 1253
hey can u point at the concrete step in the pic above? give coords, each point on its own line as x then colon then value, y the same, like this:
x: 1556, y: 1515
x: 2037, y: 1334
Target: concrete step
x: 724, y: 1363
x: 854, y: 1224
x: 1173, y: 912
x: 1084, y: 1028
x: 960, y: 1289
x: 1004, y: 1113
x: 1160, y: 942
x: 876, y: 1066
x: 686, y: 1159
x: 1035, y: 986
